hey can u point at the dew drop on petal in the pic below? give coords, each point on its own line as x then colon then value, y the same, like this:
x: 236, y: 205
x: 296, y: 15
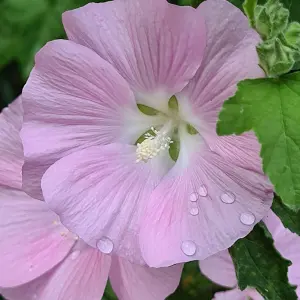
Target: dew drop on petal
x: 202, y: 191
x: 188, y: 248
x: 34, y: 296
x: 228, y: 198
x: 75, y: 254
x: 105, y: 245
x: 247, y: 218
x: 194, y: 211
x: 194, y: 197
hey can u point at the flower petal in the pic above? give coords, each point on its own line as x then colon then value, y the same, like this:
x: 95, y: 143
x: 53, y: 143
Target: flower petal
x: 28, y: 238
x: 288, y: 245
x: 183, y: 225
x: 219, y: 268
x: 155, y: 46
x: 14, y: 113
x: 230, y: 56
x: 235, y: 294
x: 82, y: 275
x: 100, y: 192
x: 134, y: 282
x: 11, y: 151
x: 72, y: 100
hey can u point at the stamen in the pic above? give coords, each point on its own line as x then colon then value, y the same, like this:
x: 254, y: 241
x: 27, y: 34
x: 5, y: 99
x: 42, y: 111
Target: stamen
x: 153, y: 144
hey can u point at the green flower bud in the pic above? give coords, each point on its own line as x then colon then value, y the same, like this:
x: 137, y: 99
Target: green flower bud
x: 275, y: 57
x: 292, y: 35
x: 269, y: 20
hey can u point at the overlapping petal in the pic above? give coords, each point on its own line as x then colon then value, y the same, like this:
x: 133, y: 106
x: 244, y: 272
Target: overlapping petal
x: 81, y: 276
x: 29, y: 237
x: 11, y: 151
x: 72, y: 100
x: 288, y: 245
x: 237, y: 294
x: 202, y: 206
x: 100, y: 192
x: 230, y: 57
x: 220, y: 269
x: 131, y: 282
x: 156, y: 46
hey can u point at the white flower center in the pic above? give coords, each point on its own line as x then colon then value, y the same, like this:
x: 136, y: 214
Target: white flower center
x: 153, y: 144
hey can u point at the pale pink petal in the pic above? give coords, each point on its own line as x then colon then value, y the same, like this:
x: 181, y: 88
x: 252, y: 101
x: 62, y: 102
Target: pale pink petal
x: 242, y: 150
x: 230, y: 56
x: 73, y: 99
x: 81, y: 276
x: 30, y: 241
x: 27, y: 291
x: 11, y: 151
x: 288, y: 245
x: 14, y: 113
x: 100, y: 192
x: 135, y: 282
x: 154, y: 45
x: 253, y: 294
x: 235, y: 294
x: 219, y: 268
x: 183, y: 225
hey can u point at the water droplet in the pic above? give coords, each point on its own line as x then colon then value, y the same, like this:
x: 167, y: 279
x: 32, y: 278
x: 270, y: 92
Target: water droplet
x: 194, y: 197
x: 228, y: 198
x: 34, y: 296
x: 105, y: 245
x: 30, y: 268
x: 194, y: 211
x: 202, y: 191
x: 188, y: 248
x: 75, y: 254
x: 247, y: 218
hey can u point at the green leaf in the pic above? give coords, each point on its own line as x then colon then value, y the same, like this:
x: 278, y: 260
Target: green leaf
x: 249, y: 9
x: 109, y: 293
x: 260, y: 266
x: 27, y: 25
x: 289, y: 218
x: 271, y: 107
x: 193, y: 3
x: 294, y: 7
x: 193, y: 285
x: 237, y: 3
x: 297, y: 66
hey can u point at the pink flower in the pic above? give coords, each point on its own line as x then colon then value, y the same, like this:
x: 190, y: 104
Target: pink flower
x: 220, y: 269
x: 82, y: 123
x: 40, y: 259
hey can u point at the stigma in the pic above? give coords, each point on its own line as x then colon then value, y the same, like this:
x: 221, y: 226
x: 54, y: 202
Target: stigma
x: 153, y: 145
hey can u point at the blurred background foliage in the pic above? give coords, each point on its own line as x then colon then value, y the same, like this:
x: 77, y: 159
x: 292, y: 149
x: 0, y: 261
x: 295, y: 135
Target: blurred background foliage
x: 25, y: 27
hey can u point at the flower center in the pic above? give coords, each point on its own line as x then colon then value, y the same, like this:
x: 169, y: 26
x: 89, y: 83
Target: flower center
x: 154, y: 143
